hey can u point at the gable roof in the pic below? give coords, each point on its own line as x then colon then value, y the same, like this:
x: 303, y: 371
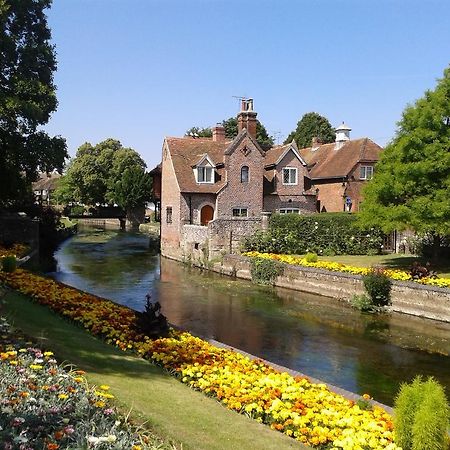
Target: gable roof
x: 46, y: 181
x: 275, y: 154
x: 239, y: 138
x: 186, y: 152
x: 327, y: 162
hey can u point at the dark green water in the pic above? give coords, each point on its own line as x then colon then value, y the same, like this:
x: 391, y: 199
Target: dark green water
x: 315, y: 335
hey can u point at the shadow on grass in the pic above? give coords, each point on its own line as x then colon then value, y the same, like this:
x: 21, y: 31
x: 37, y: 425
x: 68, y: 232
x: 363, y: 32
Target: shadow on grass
x: 72, y: 343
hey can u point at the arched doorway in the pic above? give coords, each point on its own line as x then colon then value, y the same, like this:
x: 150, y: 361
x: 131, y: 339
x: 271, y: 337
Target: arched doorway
x: 206, y: 214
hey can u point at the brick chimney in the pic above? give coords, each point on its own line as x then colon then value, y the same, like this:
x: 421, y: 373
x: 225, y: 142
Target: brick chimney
x: 218, y: 133
x: 247, y: 117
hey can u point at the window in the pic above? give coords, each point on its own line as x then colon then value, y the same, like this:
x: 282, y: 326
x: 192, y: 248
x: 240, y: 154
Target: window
x: 289, y: 211
x: 290, y: 175
x: 205, y: 174
x: 240, y: 212
x: 169, y: 214
x: 244, y: 174
x: 366, y: 172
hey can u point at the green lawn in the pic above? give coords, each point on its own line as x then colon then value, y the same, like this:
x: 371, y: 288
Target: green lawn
x: 171, y: 410
x: 394, y: 261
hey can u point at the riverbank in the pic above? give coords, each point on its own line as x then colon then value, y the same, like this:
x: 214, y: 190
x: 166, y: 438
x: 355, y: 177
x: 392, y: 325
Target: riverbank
x: 407, y: 297
x: 169, y: 408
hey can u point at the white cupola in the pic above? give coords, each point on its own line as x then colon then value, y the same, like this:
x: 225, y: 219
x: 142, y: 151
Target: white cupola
x: 342, y: 135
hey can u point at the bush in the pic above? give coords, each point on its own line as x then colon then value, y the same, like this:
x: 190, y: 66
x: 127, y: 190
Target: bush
x: 311, y: 257
x: 9, y: 263
x: 362, y: 302
x: 265, y: 271
x: 421, y: 416
x: 378, y: 287
x: 323, y: 234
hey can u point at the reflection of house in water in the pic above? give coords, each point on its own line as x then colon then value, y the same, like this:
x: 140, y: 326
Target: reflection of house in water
x: 44, y: 187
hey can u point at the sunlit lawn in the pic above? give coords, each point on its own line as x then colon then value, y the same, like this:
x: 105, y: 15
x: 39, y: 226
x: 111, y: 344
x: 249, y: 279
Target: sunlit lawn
x: 393, y: 261
x: 172, y: 410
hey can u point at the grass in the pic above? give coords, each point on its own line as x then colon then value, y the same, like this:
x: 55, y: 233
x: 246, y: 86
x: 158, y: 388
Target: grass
x: 392, y: 261
x: 172, y: 410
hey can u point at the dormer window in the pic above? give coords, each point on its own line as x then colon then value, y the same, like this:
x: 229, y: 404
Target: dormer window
x: 290, y: 175
x: 204, y: 171
x: 366, y: 172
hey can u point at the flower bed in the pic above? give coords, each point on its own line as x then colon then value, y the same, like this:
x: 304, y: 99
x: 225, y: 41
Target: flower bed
x: 395, y: 274
x: 43, y: 406
x: 17, y: 250
x: 308, y: 412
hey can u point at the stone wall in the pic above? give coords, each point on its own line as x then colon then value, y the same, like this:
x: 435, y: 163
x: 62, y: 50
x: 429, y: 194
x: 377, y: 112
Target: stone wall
x: 225, y: 235
x: 407, y: 297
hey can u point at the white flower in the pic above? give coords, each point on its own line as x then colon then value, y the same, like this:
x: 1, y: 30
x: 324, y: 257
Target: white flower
x: 93, y: 440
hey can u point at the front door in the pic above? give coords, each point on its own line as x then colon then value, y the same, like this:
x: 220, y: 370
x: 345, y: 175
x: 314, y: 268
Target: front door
x: 206, y: 215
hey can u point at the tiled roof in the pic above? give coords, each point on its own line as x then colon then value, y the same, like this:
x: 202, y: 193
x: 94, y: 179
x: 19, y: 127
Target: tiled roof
x: 46, y: 182
x: 275, y: 153
x: 186, y: 152
x: 326, y: 162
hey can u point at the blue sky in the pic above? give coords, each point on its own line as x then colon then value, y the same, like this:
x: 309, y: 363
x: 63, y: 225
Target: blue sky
x: 139, y: 70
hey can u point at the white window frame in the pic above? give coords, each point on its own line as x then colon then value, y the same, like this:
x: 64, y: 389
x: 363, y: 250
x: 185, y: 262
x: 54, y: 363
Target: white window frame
x: 366, y: 173
x: 291, y: 170
x: 240, y: 212
x: 289, y: 211
x: 202, y: 174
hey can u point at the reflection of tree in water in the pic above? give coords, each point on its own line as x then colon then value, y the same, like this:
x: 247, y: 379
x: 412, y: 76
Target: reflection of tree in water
x: 110, y: 258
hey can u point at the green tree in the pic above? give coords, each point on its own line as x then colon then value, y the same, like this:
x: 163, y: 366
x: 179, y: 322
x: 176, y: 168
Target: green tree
x: 262, y: 136
x: 411, y: 184
x: 106, y: 173
x: 309, y: 126
x: 200, y: 132
x: 27, y: 97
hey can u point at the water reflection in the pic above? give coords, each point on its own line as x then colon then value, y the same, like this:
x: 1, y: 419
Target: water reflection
x: 312, y: 334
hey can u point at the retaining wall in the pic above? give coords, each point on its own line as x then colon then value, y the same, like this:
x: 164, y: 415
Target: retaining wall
x: 407, y: 297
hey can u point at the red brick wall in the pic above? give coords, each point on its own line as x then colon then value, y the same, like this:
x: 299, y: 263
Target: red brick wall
x: 331, y: 196
x: 170, y: 196
x: 242, y: 195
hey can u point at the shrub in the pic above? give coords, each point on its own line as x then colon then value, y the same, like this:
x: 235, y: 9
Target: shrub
x: 362, y: 302
x: 378, y: 287
x: 421, y: 416
x: 265, y: 271
x: 9, y: 263
x: 311, y: 257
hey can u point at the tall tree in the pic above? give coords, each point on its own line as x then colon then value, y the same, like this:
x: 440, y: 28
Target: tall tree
x: 411, y: 184
x: 309, y: 126
x: 27, y: 97
x: 106, y: 173
x: 199, y: 132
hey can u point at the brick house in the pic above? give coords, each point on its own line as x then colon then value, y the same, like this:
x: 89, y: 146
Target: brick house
x: 339, y: 170
x: 214, y: 190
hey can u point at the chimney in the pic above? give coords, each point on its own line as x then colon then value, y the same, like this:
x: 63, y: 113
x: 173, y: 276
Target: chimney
x: 218, y: 133
x: 247, y: 117
x: 315, y: 143
x: 342, y: 135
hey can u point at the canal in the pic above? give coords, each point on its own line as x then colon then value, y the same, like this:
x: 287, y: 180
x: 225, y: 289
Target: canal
x: 315, y: 335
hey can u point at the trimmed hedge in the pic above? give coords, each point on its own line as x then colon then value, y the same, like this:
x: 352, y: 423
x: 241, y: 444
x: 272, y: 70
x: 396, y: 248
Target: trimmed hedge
x: 325, y: 234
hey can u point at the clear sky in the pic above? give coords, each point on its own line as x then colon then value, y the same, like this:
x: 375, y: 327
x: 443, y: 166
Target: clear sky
x: 139, y: 70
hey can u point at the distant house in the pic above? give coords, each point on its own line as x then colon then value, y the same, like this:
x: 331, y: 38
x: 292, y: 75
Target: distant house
x: 215, y: 190
x: 44, y: 187
x: 339, y: 170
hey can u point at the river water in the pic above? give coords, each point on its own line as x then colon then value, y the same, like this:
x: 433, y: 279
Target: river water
x: 315, y: 335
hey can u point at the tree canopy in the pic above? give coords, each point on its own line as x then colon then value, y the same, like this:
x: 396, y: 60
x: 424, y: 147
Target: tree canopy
x: 309, y: 126
x: 27, y: 97
x: 231, y: 131
x: 106, y: 173
x: 411, y: 184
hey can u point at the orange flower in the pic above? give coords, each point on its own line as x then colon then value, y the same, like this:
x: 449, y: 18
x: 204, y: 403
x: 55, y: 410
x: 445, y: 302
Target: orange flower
x: 58, y: 435
x: 52, y: 446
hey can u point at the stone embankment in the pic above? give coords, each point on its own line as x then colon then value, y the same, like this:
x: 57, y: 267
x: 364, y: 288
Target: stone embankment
x: 407, y: 297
